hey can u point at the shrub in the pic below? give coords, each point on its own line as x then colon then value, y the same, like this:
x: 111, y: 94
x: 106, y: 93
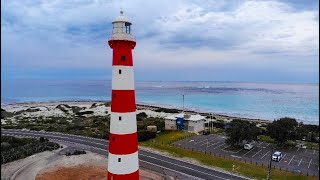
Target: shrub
x: 141, y: 116
x: 144, y: 135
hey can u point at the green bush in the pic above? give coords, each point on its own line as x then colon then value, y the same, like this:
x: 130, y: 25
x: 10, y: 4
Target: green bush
x: 144, y: 135
x: 167, y: 110
x: 266, y: 139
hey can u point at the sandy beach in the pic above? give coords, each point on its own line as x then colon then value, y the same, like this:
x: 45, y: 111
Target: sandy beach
x: 49, y: 109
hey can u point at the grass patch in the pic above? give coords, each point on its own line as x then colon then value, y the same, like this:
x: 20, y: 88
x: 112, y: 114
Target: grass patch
x: 266, y: 139
x: 311, y: 145
x: 215, y: 130
x: 168, y: 137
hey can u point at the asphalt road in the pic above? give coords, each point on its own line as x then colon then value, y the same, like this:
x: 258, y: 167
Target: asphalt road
x: 149, y: 160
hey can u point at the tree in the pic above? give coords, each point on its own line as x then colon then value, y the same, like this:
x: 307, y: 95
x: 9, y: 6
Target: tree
x: 240, y: 131
x: 141, y: 116
x: 283, y: 129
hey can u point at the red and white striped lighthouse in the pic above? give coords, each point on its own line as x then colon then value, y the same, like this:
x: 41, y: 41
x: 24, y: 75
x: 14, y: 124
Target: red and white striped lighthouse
x: 123, y: 162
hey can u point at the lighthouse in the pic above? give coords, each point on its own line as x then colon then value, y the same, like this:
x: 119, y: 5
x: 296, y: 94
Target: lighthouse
x: 123, y: 162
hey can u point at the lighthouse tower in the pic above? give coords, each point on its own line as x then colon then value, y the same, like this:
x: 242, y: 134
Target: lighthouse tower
x: 123, y: 162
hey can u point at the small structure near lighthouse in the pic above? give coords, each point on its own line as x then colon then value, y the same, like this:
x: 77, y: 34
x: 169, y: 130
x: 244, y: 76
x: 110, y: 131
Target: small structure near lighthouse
x: 123, y: 162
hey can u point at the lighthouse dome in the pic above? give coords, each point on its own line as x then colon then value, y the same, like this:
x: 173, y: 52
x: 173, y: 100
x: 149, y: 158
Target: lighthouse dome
x: 121, y: 18
x: 122, y: 28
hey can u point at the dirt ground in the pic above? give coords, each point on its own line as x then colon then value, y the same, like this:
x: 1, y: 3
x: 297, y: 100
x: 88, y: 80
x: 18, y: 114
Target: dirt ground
x: 81, y: 172
x: 86, y: 172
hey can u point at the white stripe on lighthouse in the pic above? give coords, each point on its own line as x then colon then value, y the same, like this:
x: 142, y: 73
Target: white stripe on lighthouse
x: 123, y: 123
x: 122, y: 78
x: 128, y: 163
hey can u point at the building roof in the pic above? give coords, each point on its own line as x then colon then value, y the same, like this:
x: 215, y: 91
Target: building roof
x: 192, y: 117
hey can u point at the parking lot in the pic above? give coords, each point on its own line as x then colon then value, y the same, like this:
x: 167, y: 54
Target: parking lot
x: 294, y: 159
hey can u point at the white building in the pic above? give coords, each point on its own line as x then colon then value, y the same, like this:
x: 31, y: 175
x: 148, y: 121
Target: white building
x: 192, y: 123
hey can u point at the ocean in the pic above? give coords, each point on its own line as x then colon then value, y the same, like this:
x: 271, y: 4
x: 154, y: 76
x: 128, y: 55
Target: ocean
x: 267, y: 101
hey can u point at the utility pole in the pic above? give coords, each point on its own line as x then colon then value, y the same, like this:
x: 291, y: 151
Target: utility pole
x: 269, y: 170
x: 183, y: 103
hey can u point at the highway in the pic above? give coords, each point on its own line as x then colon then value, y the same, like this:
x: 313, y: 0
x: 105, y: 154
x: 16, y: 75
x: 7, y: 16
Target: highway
x: 147, y: 159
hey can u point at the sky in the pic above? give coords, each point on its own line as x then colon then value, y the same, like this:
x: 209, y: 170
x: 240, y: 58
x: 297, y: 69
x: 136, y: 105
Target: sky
x: 180, y: 40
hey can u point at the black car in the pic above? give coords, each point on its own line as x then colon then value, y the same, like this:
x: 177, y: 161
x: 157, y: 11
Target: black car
x: 206, y: 132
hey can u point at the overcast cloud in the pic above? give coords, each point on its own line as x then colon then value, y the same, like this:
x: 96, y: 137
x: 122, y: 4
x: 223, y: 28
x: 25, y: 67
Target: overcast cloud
x: 213, y: 40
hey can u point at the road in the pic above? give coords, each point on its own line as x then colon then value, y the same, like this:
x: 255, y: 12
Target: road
x: 150, y: 160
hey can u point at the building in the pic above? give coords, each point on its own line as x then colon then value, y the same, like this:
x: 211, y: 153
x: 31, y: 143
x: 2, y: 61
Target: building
x: 192, y: 123
x: 123, y: 162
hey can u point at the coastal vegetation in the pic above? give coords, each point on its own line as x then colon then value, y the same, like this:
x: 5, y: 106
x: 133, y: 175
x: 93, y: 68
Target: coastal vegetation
x: 284, y: 131
x: 78, y: 121
x: 240, y: 131
x: 13, y: 148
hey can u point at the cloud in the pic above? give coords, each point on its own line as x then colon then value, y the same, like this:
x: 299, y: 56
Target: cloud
x: 186, y: 34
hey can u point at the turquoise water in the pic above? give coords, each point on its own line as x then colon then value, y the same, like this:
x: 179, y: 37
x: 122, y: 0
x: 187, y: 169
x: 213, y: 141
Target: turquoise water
x: 254, y: 100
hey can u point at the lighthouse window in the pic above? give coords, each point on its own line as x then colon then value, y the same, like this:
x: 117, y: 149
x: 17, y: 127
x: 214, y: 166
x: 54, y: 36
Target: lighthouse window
x: 113, y: 139
x: 120, y: 118
x: 119, y: 159
x: 123, y: 58
x: 119, y: 71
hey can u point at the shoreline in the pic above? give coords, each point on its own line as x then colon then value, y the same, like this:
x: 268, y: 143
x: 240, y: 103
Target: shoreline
x: 148, y: 106
x: 151, y: 106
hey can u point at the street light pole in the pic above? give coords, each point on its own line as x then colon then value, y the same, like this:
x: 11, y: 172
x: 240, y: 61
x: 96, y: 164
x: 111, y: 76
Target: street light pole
x: 183, y: 103
x: 269, y: 170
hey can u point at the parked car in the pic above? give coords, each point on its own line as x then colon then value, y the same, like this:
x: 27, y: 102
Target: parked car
x: 277, y: 156
x: 248, y: 146
x: 206, y: 132
x: 301, y: 146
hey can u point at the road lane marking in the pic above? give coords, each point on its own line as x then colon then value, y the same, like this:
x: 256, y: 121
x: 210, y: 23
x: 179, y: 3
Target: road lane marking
x: 206, y: 143
x: 290, y: 148
x: 226, y: 147
x: 219, y: 146
x: 256, y: 153
x: 298, y: 149
x: 300, y: 161
x: 314, y: 151
x: 305, y: 151
x: 260, y: 143
x: 63, y: 137
x: 214, y: 144
x: 264, y: 155
x: 291, y: 159
x: 236, y: 156
x: 193, y: 177
x: 201, y: 141
x: 184, y: 167
x: 247, y: 152
x: 282, y: 157
x: 309, y: 163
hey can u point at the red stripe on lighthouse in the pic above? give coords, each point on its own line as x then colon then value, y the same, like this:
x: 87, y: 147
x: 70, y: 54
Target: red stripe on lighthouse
x: 123, y: 101
x: 122, y: 52
x: 134, y: 175
x: 123, y: 144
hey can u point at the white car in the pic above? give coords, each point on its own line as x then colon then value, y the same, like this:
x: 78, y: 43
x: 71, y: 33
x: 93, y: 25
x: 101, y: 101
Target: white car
x: 277, y: 156
x: 248, y: 147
